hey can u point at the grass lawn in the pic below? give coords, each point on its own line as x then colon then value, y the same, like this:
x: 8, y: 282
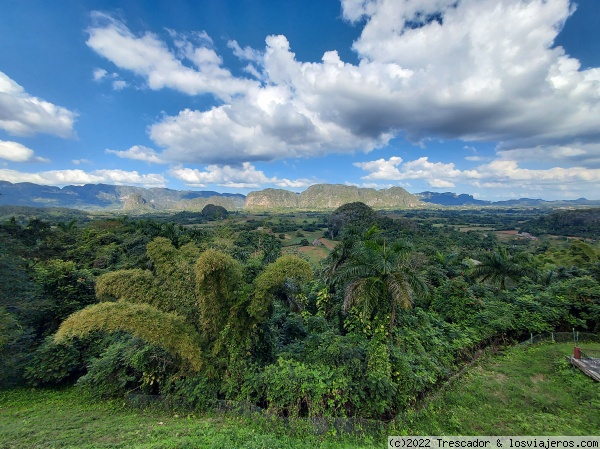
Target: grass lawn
x: 529, y: 390
x: 70, y: 419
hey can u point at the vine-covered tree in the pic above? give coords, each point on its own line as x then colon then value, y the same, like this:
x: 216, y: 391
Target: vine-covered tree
x: 189, y: 304
x: 158, y: 307
x: 218, y: 280
x: 282, y: 280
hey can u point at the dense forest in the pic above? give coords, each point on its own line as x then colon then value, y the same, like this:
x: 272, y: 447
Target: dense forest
x: 355, y: 313
x: 579, y: 223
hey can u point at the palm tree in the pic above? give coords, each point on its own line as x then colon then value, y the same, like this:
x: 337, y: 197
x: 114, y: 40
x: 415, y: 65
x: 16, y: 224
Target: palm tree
x: 380, y: 277
x: 68, y: 226
x: 342, y: 251
x: 501, y: 269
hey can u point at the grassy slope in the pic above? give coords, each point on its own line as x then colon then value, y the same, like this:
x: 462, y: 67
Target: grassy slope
x: 526, y: 391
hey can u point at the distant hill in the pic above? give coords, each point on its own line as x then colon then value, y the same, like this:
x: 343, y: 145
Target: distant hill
x: 272, y: 199
x: 450, y: 199
x: 329, y: 196
x: 528, y: 202
x: 104, y: 196
x: 198, y: 204
x: 455, y: 199
x: 136, y: 202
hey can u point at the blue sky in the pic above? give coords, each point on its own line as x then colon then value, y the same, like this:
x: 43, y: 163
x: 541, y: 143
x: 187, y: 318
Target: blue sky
x: 496, y: 98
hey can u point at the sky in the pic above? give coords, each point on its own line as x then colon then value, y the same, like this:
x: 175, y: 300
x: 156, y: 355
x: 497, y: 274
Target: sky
x: 499, y: 99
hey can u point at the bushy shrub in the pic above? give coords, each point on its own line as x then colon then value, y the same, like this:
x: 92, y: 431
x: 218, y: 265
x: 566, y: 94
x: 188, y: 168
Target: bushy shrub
x: 53, y: 364
x: 300, y: 389
x: 15, y: 345
x: 197, y: 392
x: 129, y: 365
x: 454, y: 300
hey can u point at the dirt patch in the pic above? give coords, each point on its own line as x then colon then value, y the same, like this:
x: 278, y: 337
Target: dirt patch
x: 500, y: 377
x: 314, y: 254
x: 314, y: 251
x: 538, y: 378
x: 327, y: 243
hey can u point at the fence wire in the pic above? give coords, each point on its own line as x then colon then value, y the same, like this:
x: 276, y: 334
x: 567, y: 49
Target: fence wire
x: 318, y: 425
x: 574, y: 337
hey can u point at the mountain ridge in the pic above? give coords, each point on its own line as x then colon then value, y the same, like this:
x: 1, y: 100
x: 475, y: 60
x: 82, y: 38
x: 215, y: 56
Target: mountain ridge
x: 464, y: 199
x: 99, y: 197
x: 110, y: 197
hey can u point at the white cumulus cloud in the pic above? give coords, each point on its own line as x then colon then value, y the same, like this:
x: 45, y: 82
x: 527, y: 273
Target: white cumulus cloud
x: 474, y: 70
x: 99, y: 74
x: 587, y: 154
x: 499, y: 174
x: 24, y: 115
x: 80, y: 177
x: 138, y: 153
x: 148, y: 56
x: 246, y: 176
x: 16, y: 152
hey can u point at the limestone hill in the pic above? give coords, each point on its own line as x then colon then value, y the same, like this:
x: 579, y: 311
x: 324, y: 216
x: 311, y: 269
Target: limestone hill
x: 329, y: 196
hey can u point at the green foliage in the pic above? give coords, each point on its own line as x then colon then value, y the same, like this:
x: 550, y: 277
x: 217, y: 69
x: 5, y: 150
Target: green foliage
x: 128, y: 364
x: 351, y: 214
x: 65, y: 287
x: 166, y: 257
x: 166, y: 330
x: 282, y: 279
x: 256, y: 244
x: 570, y: 254
x: 379, y: 278
x: 573, y: 222
x: 15, y: 342
x: 455, y: 301
x: 198, y: 391
x: 9, y: 328
x: 581, y: 297
x: 54, y: 364
x: 218, y: 278
x: 136, y: 285
x: 299, y: 389
x: 501, y: 269
x: 380, y: 387
x: 169, y: 288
